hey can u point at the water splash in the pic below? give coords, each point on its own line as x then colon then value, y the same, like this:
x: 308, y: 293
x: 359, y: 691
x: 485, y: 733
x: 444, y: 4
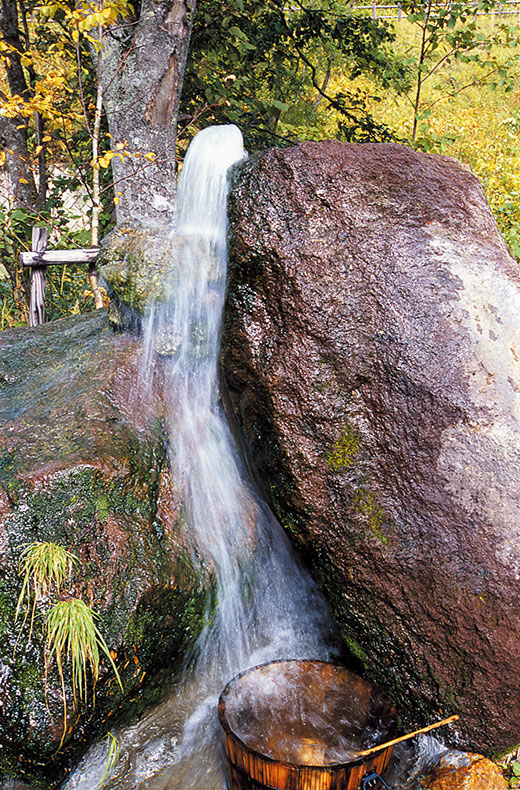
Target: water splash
x: 267, y: 606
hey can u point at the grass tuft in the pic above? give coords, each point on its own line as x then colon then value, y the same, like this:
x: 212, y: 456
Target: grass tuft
x: 112, y: 759
x: 44, y: 567
x: 72, y: 633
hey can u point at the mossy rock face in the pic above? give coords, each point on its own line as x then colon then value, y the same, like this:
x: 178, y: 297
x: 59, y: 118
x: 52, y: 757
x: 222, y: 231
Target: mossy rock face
x: 137, y: 262
x: 83, y: 465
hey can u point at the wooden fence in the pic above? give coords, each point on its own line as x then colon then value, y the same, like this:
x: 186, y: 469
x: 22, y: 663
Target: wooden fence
x: 38, y: 259
x: 395, y: 11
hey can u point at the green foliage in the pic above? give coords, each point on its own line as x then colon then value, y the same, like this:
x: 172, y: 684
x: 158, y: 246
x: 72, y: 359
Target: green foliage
x: 71, y: 632
x: 450, y: 31
x: 51, y: 42
x: 283, y: 72
x: 67, y: 287
x: 112, y: 759
x: 509, y: 764
x: 44, y: 567
x: 465, y: 110
x: 267, y: 67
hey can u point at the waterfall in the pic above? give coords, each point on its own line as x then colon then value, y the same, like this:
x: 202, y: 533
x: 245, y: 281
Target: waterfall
x: 267, y: 605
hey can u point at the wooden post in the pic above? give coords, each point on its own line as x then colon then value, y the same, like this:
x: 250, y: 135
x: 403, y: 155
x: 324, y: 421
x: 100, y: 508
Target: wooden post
x: 59, y: 257
x: 37, y: 299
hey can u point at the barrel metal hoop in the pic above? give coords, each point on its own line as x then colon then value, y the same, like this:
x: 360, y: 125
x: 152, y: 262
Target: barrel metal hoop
x: 369, y: 781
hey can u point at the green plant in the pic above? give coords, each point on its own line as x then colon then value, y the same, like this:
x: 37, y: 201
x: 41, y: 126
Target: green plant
x: 509, y: 764
x: 72, y: 633
x: 44, y: 567
x: 449, y: 32
x: 112, y: 758
x: 514, y: 780
x: 268, y: 66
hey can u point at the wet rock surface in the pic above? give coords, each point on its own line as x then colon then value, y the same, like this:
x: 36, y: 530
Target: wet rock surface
x: 371, y: 352
x: 472, y: 772
x: 136, y: 262
x: 82, y: 464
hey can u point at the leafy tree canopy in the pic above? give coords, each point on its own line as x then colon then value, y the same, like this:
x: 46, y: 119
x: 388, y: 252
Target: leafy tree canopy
x: 283, y: 72
x: 266, y: 66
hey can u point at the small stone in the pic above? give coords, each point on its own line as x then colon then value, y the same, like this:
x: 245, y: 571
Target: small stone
x: 476, y: 773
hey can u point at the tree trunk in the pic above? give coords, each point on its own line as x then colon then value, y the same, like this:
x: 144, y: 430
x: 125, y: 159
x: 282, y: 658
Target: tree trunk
x: 14, y: 142
x: 142, y: 82
x: 96, y: 196
x: 13, y: 131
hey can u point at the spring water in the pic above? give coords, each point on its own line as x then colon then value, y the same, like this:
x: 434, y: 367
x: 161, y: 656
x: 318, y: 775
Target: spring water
x: 267, y: 606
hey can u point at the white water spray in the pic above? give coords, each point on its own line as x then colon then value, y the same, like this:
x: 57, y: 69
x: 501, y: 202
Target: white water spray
x: 267, y: 606
x: 264, y: 603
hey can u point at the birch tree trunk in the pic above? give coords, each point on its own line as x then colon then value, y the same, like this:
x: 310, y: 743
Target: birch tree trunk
x: 96, y: 196
x: 142, y: 80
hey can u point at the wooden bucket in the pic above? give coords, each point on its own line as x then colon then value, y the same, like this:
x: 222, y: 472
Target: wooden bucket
x: 291, y: 725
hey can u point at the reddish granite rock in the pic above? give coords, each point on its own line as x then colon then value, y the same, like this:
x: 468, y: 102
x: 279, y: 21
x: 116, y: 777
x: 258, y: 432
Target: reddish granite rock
x: 371, y: 351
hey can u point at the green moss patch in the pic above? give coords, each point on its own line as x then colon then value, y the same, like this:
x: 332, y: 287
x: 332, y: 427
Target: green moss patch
x: 365, y: 505
x: 345, y: 450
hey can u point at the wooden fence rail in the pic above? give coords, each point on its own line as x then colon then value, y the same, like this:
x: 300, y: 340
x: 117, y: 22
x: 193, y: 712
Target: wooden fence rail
x: 380, y: 11
x: 38, y: 259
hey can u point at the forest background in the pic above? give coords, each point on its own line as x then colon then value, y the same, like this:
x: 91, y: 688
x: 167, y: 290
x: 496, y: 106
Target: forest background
x: 440, y: 77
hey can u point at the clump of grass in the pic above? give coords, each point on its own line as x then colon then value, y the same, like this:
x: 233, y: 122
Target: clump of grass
x: 44, y: 566
x: 73, y: 634
x: 71, y: 631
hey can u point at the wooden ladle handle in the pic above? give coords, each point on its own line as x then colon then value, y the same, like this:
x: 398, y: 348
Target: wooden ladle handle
x: 381, y: 746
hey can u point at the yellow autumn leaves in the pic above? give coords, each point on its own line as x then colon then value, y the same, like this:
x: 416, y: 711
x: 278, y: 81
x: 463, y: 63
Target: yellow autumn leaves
x: 87, y: 16
x: 121, y: 150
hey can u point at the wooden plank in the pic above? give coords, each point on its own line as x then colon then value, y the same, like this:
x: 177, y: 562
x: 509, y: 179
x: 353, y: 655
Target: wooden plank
x: 59, y: 257
x: 37, y: 297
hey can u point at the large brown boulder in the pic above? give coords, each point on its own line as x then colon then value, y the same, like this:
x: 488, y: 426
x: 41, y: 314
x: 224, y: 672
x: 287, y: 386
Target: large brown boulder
x: 83, y: 465
x: 371, y: 350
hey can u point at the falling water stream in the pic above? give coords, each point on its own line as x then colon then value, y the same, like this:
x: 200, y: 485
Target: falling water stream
x: 268, y: 607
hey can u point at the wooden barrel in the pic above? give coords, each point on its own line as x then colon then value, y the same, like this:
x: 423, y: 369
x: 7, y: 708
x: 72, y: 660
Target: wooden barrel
x: 297, y: 725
